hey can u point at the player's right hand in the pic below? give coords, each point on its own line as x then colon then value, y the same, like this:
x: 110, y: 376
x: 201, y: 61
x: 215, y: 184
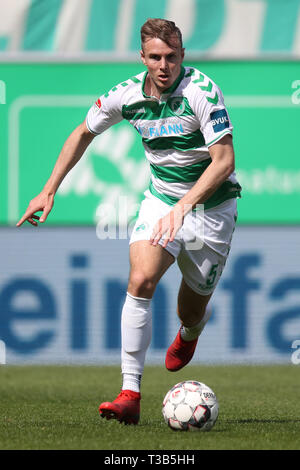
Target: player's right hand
x: 42, y: 202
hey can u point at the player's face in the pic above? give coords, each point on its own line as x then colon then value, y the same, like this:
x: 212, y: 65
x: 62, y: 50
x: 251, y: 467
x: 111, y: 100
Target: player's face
x: 163, y: 63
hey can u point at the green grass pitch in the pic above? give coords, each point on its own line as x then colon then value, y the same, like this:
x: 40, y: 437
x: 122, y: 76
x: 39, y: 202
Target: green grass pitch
x: 56, y: 407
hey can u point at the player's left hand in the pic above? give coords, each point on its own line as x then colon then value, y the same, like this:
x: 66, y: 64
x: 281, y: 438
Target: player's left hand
x: 167, y: 227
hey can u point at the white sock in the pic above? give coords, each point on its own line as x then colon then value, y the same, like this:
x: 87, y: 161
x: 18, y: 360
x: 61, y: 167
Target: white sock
x: 192, y: 332
x: 136, y: 331
x: 132, y: 382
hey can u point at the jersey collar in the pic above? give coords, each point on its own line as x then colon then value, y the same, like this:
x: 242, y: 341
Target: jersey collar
x: 169, y: 90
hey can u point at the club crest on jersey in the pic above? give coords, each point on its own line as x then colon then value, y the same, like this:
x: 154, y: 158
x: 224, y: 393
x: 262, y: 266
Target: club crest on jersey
x: 177, y: 105
x: 219, y: 120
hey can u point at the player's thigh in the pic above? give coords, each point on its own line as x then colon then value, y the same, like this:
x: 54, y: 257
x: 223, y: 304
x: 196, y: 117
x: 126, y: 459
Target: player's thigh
x: 148, y: 263
x: 152, y: 209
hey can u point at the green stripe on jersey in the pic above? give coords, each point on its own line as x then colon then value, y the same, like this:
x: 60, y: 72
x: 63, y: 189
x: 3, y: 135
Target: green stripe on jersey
x: 227, y: 190
x: 175, y: 174
x: 153, y: 110
x: 176, y: 142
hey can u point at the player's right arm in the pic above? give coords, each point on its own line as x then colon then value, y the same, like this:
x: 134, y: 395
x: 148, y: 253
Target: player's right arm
x: 73, y: 149
x: 103, y: 114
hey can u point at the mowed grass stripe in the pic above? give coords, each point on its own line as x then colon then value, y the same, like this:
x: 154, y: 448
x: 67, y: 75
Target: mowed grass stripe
x: 56, y: 407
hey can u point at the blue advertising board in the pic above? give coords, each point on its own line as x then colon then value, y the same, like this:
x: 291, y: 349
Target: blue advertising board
x: 62, y: 290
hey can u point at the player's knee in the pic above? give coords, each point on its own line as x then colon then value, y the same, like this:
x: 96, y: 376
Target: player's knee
x: 141, y: 285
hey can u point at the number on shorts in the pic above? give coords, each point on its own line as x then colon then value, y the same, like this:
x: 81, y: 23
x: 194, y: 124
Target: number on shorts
x: 212, y: 275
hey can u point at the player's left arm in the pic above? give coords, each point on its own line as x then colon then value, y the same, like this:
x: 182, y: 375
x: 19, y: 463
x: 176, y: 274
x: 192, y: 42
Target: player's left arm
x: 222, y: 165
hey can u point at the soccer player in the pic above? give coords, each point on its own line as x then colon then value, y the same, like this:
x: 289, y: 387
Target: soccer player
x: 187, y: 134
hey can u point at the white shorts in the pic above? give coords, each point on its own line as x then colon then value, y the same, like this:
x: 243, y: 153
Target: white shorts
x: 202, y: 244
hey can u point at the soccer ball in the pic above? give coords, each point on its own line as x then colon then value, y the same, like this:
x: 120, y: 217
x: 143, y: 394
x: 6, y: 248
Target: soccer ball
x: 190, y: 406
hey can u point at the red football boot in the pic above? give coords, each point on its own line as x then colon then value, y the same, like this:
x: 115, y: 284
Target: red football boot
x: 180, y: 353
x: 125, y: 408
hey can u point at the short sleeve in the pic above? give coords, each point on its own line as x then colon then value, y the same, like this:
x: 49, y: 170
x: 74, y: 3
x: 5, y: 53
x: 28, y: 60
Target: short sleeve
x: 104, y: 113
x: 213, y: 115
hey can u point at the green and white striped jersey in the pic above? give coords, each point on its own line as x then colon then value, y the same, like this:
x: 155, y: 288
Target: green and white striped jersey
x: 177, y: 130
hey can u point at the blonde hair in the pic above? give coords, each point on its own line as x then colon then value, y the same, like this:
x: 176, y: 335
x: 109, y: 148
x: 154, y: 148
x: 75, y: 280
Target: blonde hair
x: 162, y: 29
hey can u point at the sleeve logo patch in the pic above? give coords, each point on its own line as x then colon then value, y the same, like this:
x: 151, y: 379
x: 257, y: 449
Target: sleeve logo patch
x: 219, y: 120
x: 98, y: 103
